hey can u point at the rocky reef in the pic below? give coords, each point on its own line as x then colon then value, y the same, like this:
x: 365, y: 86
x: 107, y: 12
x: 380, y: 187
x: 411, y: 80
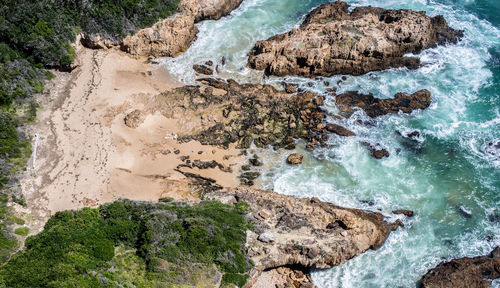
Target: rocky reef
x: 476, y: 272
x: 304, y: 233
x: 225, y: 112
x: 332, y: 40
x: 374, y: 107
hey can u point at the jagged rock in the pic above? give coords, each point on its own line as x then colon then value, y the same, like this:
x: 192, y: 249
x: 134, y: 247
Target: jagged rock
x: 205, y: 164
x: 301, y: 236
x: 333, y: 41
x: 209, y: 9
x: 209, y: 63
x: 374, y: 107
x: 339, y: 130
x: 255, y: 161
x: 377, y: 153
x: 464, y: 272
x: 294, y: 159
x: 167, y: 38
x: 230, y: 112
x: 202, y: 69
x: 95, y: 41
x: 405, y: 212
x: 289, y: 87
x: 134, y: 119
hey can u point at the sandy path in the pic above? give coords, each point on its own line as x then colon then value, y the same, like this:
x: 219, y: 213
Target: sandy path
x: 86, y: 154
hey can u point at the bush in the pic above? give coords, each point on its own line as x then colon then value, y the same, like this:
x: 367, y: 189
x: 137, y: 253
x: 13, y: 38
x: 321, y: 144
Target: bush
x: 79, y: 246
x: 44, y: 29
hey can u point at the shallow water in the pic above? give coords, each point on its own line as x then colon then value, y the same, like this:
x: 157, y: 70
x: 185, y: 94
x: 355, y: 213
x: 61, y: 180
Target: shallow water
x: 447, y: 177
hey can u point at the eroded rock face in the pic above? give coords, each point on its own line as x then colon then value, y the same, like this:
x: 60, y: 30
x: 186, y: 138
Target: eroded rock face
x: 171, y: 36
x: 464, y: 272
x: 209, y: 9
x: 167, y: 38
x: 374, y: 107
x: 333, y: 41
x: 307, y: 233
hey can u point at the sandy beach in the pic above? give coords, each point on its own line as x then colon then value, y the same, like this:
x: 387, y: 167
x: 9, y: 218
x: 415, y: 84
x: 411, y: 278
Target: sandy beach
x: 86, y: 155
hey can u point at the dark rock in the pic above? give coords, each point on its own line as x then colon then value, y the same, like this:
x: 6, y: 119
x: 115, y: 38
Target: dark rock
x: 209, y: 63
x: 255, y: 161
x: 405, y: 212
x: 205, y: 164
x: 374, y: 107
x: 202, y: 69
x: 339, y: 130
x: 464, y: 272
x: 377, y: 153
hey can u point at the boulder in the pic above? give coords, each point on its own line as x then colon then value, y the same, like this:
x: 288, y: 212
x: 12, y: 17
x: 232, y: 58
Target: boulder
x: 339, y: 130
x: 266, y: 237
x: 376, y: 152
x: 294, y: 159
x: 202, y: 69
x: 134, y: 119
x: 332, y: 40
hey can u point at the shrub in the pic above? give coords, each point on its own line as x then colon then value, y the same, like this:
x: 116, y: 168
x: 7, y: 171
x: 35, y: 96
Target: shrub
x: 78, y: 247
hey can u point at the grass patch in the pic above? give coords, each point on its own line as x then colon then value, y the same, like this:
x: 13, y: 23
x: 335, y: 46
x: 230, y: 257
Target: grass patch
x: 22, y: 231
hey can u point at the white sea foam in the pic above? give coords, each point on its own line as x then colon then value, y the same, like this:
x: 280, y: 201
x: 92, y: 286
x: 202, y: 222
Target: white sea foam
x: 446, y: 168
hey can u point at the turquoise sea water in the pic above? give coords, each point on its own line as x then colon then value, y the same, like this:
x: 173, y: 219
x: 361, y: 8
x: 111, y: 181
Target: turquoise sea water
x: 450, y: 177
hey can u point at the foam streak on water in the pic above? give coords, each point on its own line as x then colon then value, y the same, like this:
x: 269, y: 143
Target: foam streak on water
x: 447, y: 177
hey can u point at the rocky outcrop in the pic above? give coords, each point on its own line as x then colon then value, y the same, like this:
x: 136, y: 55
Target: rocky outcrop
x: 305, y: 233
x: 333, y: 41
x: 230, y: 112
x: 374, y: 107
x: 464, y: 272
x: 171, y: 36
x: 167, y: 38
x: 208, y: 9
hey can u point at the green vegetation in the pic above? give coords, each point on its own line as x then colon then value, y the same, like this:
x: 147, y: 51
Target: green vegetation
x: 38, y: 34
x: 44, y: 29
x: 22, y: 231
x: 135, y: 244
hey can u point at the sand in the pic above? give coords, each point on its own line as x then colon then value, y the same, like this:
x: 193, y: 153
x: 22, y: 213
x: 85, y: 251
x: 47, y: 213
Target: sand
x: 86, y: 155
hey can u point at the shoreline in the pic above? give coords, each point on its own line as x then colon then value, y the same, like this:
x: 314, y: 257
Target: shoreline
x: 87, y: 156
